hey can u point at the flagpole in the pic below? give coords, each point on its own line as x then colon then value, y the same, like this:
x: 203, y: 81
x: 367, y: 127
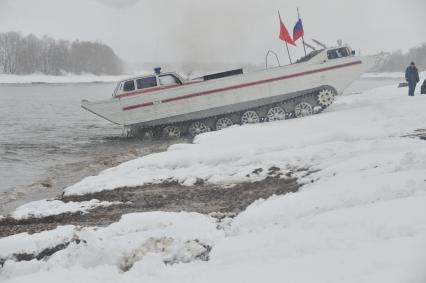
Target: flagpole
x: 303, y: 39
x: 288, y: 51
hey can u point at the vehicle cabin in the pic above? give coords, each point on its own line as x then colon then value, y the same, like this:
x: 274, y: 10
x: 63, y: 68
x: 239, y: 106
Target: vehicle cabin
x: 340, y: 52
x: 141, y: 84
x: 325, y: 55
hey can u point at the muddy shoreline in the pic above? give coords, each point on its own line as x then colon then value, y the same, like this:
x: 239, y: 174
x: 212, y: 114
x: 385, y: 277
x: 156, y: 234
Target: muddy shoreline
x: 218, y: 201
x: 102, y: 153
x: 168, y: 196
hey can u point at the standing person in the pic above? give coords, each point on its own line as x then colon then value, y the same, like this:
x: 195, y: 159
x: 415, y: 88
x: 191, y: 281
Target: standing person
x: 423, y: 90
x: 412, y: 78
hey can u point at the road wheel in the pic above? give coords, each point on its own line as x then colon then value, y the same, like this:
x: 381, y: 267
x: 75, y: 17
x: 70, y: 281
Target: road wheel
x: 276, y: 114
x: 223, y: 123
x: 197, y: 128
x: 303, y: 109
x: 147, y: 134
x: 325, y: 97
x: 171, y: 132
x: 250, y: 117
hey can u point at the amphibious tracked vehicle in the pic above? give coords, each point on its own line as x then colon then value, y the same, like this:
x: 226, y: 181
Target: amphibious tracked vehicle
x: 164, y: 104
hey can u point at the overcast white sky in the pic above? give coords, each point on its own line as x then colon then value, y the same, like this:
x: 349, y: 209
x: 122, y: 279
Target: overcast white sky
x: 217, y: 30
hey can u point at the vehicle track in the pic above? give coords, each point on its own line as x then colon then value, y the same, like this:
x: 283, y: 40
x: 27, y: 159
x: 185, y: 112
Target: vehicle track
x: 303, y: 105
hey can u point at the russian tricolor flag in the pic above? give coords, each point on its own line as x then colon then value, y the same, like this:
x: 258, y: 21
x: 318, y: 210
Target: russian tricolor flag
x: 298, y: 31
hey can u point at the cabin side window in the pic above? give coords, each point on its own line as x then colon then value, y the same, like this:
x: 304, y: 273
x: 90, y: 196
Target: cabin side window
x: 338, y: 53
x: 343, y: 52
x: 146, y: 82
x: 129, y: 86
x: 169, y: 80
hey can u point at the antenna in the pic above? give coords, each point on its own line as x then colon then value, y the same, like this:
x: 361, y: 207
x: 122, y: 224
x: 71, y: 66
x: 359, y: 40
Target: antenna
x: 320, y: 43
x: 309, y: 46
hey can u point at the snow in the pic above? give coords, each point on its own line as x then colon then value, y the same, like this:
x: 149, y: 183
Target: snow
x: 35, y: 243
x: 157, y: 236
x: 360, y: 218
x: 68, y: 78
x: 45, y: 208
x: 390, y: 75
x: 354, y: 125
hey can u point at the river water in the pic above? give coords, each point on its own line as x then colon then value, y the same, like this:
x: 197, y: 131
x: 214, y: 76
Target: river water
x: 47, y: 142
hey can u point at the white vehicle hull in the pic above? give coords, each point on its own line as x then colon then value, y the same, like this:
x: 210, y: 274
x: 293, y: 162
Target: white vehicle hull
x: 203, y: 99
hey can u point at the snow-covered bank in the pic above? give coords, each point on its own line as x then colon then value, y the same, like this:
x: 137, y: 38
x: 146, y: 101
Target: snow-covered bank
x: 389, y: 75
x: 41, y: 78
x: 353, y: 125
x: 361, y: 218
x: 43, y: 208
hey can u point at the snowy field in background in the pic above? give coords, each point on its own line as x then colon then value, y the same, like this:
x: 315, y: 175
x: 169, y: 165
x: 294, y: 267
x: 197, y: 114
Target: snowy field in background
x: 394, y: 75
x: 41, y: 78
x: 90, y: 78
x: 68, y: 78
x: 361, y: 218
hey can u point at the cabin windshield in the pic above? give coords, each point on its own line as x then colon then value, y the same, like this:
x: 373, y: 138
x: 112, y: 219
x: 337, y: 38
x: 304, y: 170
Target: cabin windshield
x: 338, y: 53
x: 129, y: 86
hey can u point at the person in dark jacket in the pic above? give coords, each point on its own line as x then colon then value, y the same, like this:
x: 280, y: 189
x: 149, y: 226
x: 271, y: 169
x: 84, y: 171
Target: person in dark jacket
x: 412, y: 78
x: 423, y: 91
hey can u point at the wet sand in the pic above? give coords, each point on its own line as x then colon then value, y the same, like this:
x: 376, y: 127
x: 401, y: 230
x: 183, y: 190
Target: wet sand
x: 171, y: 197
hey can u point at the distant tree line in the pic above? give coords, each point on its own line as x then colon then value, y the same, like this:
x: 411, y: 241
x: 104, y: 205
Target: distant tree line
x: 29, y: 54
x: 398, y: 61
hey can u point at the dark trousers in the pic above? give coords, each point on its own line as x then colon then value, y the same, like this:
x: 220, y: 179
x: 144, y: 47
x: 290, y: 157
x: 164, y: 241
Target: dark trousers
x: 411, y: 89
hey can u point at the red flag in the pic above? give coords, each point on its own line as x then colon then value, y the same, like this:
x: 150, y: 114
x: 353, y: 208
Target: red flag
x: 284, y: 35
